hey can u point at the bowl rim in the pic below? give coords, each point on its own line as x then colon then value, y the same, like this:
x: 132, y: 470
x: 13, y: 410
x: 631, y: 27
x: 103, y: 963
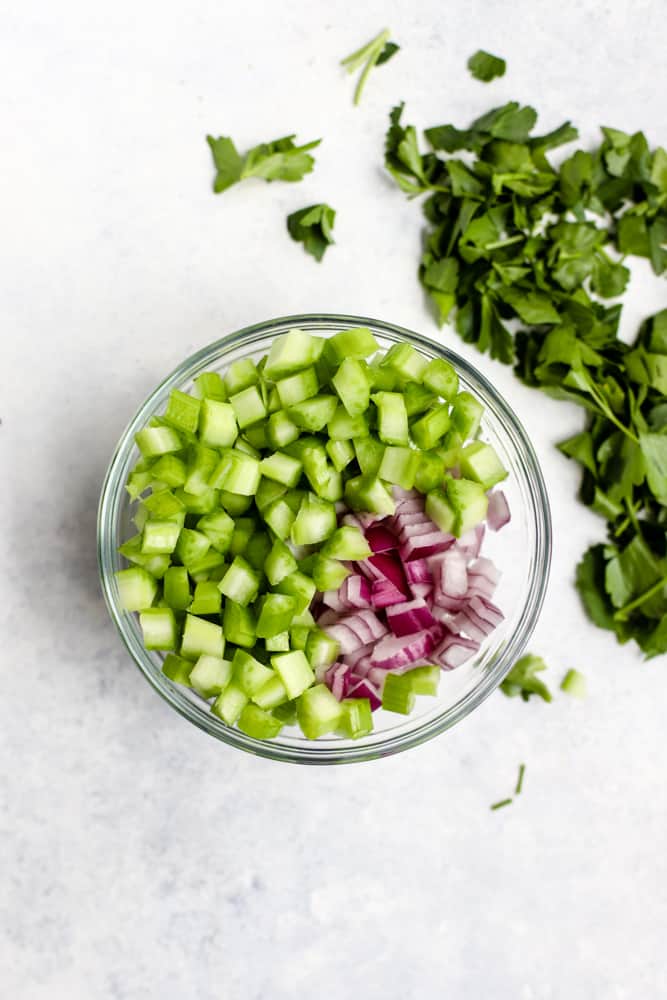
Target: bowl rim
x: 379, y: 744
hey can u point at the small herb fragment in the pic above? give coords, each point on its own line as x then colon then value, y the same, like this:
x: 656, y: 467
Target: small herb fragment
x: 485, y: 67
x: 502, y: 804
x: 279, y: 160
x: 574, y: 684
x: 519, y: 780
x: 521, y: 679
x: 376, y: 52
x: 313, y: 226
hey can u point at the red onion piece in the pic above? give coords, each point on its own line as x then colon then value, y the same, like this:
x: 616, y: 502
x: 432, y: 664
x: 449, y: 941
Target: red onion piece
x: 410, y: 617
x: 498, y: 513
x: 396, y: 651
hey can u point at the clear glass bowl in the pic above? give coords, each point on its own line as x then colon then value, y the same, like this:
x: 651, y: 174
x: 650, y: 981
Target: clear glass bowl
x: 521, y: 550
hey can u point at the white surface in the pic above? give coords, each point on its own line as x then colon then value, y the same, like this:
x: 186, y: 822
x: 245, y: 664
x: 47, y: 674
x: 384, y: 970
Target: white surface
x: 142, y: 859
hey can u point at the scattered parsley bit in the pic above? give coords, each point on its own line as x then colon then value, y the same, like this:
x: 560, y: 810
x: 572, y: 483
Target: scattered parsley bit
x: 574, y: 684
x: 519, y: 780
x: 376, y: 52
x: 502, y: 803
x: 512, y: 238
x: 279, y: 160
x: 313, y: 226
x: 485, y: 67
x: 521, y: 679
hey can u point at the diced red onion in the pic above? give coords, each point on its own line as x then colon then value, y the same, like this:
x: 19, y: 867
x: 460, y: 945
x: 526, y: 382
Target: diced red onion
x: 471, y: 542
x: 380, y: 538
x: 498, y: 513
x: 364, y: 688
x: 328, y: 617
x: 384, y: 594
x: 355, y: 592
x: 348, y: 641
x: 425, y: 545
x: 454, y: 650
x: 395, y: 651
x: 410, y: 617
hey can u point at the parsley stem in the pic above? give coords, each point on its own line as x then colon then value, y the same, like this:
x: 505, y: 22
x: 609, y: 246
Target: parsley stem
x: 502, y: 803
x: 519, y: 780
x: 622, y: 613
x: 504, y: 243
x: 610, y: 415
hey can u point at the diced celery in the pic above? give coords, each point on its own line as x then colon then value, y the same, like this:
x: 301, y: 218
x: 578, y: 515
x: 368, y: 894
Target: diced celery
x: 204, y: 568
x: 238, y: 624
x: 204, y: 503
x: 177, y: 588
x: 347, y: 543
x: 240, y: 583
x: 316, y: 466
x: 170, y: 469
x: 244, y: 529
x: 244, y: 446
x: 292, y: 352
x: 383, y: 379
x: 159, y: 536
x: 280, y: 517
x: 318, y: 711
x: 408, y: 363
x: 440, y: 376
x: 328, y: 574
x: 273, y: 400
x: 257, y: 550
x: 234, y: 503
x: 209, y: 385
x: 355, y: 343
x: 369, y: 452
x: 392, y: 418
x: 182, y: 411
x: 298, y: 635
x: 241, y: 375
x: 297, y: 449
x: 469, y: 503
x: 258, y: 723
x: 271, y: 694
x: 217, y: 424
x: 218, y: 528
x: 429, y: 429
x: 137, y: 482
x: 229, y: 705
x: 356, y: 718
x: 282, y: 468
x: 191, y: 545
x: 440, y: 510
x: 296, y: 388
x: 341, y: 454
x: 281, y: 429
x: 275, y: 614
x: 177, y: 669
x: 299, y: 586
x: 201, y: 637
x: 266, y: 492
x: 163, y: 504
x: 201, y: 463
x: 136, y: 587
x: 248, y: 406
x: 249, y: 673
x: 466, y: 414
x: 343, y: 427
x: 210, y: 675
x: 351, y: 384
x: 315, y: 521
x: 574, y: 684
x: 294, y: 671
x: 332, y: 488
x: 313, y: 414
x: 367, y: 493
x: 286, y: 712
x: 159, y: 628
x: 417, y: 398
x: 207, y: 599
x: 280, y: 562
x: 480, y: 462
x: 278, y: 643
x: 320, y: 649
x: 399, y: 465
x: 155, y: 441
x: 430, y: 472
x: 155, y: 566
x: 304, y: 617
x: 237, y: 473
x: 423, y: 680
x: 397, y: 695
x: 256, y: 436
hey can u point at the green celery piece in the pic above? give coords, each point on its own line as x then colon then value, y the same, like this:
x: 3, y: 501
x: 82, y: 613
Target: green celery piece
x: 397, y: 695
x: 237, y: 473
x: 298, y: 636
x: 136, y: 587
x: 347, y: 542
x: 469, y: 503
x: 276, y: 612
x: 294, y: 671
x: 240, y: 375
x: 280, y: 562
x: 170, y: 470
x: 466, y: 414
x: 300, y: 587
x: 423, y: 680
x: 417, y: 398
x: 318, y: 712
x: 313, y: 226
x: 280, y: 517
x: 281, y: 429
x: 248, y: 673
x: 182, y: 411
x: 177, y: 588
x: 343, y: 427
x: 440, y: 377
x: 159, y: 628
x: 295, y: 388
x: 399, y: 465
x: 230, y: 703
x: 155, y: 441
x: 440, y: 510
x: 320, y: 648
x: 267, y: 492
x: 369, y: 494
x: 159, y: 537
x: 369, y: 452
x: 430, y: 472
x: 210, y: 675
x: 201, y: 637
x: 201, y: 463
x: 328, y: 574
x: 341, y: 453
x: 374, y: 53
x: 240, y: 583
x: 238, y: 625
x: 209, y: 385
x: 218, y: 427
x: 521, y: 679
x: 244, y: 529
x: 272, y: 694
x: 480, y: 462
x: 257, y: 550
x: 177, y: 669
x: 258, y: 723
x: 292, y: 352
x: 429, y: 429
x: 209, y: 567
x: 313, y: 414
x: 392, y: 418
x: 356, y: 718
x: 191, y: 546
x: 203, y: 503
x: 218, y: 528
x: 278, y: 643
x: 358, y: 343
x: 248, y: 406
x: 282, y: 468
x: 351, y: 384
x: 574, y: 684
x: 315, y: 521
x: 207, y: 599
x: 408, y: 363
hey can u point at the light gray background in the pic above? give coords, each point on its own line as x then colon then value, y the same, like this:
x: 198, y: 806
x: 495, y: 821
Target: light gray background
x: 140, y: 858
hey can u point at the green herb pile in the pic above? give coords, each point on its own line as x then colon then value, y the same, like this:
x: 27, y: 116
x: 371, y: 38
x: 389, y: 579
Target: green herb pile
x: 515, y: 244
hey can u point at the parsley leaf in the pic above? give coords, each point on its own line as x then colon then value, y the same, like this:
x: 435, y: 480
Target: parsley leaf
x: 485, y: 67
x: 279, y: 160
x: 376, y: 52
x: 521, y: 679
x: 313, y: 226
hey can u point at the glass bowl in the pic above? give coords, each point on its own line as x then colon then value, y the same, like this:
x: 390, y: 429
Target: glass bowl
x: 521, y: 550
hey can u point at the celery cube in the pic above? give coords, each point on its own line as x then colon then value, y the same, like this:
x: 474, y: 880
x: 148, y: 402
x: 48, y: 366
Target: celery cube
x: 217, y: 424
x: 248, y: 406
x: 159, y: 628
x: 258, y: 723
x: 294, y: 671
x: 136, y: 587
x: 480, y: 462
x: 210, y: 675
x: 182, y: 411
x: 318, y: 711
x: 201, y: 637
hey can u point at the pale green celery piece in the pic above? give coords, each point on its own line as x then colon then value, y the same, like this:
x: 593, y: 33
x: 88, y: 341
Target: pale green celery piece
x: 137, y: 588
x: 201, y: 637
